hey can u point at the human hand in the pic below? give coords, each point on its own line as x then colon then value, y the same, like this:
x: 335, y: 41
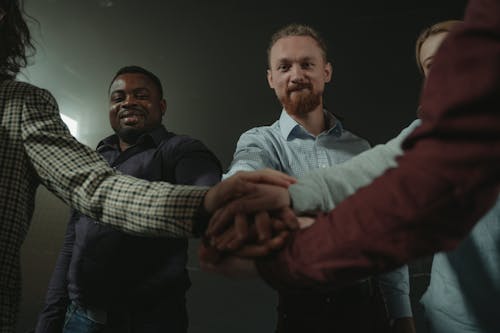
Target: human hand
x: 264, y: 197
x: 212, y: 254
x: 261, y: 228
x: 243, y: 183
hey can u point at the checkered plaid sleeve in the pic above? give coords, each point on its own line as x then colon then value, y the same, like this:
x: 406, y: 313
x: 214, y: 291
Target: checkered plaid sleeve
x: 81, y: 178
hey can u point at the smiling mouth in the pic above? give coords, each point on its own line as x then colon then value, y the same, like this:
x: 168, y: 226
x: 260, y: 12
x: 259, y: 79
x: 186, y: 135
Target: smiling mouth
x: 299, y: 88
x: 131, y: 118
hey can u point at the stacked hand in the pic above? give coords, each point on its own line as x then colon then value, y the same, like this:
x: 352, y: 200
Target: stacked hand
x: 251, y: 216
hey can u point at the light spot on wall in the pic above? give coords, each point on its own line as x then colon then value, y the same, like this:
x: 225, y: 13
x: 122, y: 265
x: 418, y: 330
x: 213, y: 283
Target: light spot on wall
x: 72, y: 125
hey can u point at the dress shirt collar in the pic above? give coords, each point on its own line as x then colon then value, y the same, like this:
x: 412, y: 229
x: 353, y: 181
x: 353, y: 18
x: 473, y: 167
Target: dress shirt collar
x: 154, y: 137
x: 288, y: 125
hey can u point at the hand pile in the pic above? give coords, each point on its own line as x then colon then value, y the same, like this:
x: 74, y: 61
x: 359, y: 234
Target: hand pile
x: 251, y: 216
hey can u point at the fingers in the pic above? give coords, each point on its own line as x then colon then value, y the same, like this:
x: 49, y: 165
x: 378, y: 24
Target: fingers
x: 225, y: 191
x: 234, y: 236
x: 265, y: 248
x: 268, y: 176
x: 279, y: 241
x: 263, y: 198
x: 263, y: 224
x: 265, y: 234
x: 287, y: 216
x: 208, y: 254
x: 221, y: 242
x: 243, y: 183
x: 241, y: 227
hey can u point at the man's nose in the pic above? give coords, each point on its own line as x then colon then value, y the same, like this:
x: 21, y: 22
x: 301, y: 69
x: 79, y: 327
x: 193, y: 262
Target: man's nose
x: 297, y: 74
x: 129, y: 101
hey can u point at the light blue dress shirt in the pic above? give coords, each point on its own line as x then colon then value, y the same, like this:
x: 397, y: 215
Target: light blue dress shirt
x: 288, y: 147
x: 464, y: 292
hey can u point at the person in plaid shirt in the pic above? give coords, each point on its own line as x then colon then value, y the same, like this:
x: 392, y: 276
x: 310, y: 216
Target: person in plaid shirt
x: 37, y: 148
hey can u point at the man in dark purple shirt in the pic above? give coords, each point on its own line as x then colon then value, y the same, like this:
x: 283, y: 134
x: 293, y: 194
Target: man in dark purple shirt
x: 106, y: 279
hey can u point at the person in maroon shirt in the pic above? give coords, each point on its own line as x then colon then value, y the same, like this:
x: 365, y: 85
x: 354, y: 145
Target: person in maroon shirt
x: 446, y: 180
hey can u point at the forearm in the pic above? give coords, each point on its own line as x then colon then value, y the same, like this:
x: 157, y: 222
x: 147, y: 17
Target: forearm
x: 376, y: 237
x: 323, y: 189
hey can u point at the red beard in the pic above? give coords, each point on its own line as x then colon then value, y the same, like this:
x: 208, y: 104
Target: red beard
x: 301, y: 102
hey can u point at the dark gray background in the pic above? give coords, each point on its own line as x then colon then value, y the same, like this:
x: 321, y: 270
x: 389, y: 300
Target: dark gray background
x: 211, y: 58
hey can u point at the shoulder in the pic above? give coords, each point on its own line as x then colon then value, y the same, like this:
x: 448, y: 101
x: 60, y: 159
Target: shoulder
x: 19, y: 87
x: 172, y: 138
x: 22, y: 91
x: 182, y: 143
x: 175, y: 148
x: 261, y: 134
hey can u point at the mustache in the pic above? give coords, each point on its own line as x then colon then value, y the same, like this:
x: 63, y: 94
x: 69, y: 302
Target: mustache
x: 299, y: 86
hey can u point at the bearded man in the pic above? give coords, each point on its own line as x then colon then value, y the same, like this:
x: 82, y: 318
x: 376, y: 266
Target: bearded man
x: 308, y: 137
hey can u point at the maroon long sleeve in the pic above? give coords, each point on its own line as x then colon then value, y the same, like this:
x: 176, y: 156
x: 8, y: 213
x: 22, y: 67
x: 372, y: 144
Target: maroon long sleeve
x: 447, y: 179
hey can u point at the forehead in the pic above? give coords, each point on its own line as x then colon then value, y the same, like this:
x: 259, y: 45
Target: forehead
x: 132, y: 81
x: 294, y: 48
x: 431, y: 45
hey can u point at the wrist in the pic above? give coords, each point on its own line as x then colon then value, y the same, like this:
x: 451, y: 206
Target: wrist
x: 201, y: 218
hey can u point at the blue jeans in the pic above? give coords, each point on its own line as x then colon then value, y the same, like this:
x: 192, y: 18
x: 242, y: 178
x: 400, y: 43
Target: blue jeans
x: 170, y: 315
x: 79, y: 320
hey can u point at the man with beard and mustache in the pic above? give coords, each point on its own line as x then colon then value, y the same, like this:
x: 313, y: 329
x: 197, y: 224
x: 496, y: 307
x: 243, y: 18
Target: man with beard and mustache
x: 308, y: 137
x: 105, y: 279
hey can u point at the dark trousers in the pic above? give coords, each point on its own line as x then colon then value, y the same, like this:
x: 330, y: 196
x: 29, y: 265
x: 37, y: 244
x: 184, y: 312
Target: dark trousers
x: 355, y: 309
x: 164, y: 316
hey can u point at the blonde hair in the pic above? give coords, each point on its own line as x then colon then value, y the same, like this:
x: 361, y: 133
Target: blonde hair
x: 298, y: 30
x: 444, y: 26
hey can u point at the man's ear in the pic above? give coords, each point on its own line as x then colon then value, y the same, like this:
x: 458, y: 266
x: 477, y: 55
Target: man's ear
x: 270, y: 79
x: 328, y: 72
x: 163, y: 106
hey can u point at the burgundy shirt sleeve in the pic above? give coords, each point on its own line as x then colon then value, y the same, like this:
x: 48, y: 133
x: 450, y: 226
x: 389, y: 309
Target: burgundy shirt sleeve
x: 446, y: 180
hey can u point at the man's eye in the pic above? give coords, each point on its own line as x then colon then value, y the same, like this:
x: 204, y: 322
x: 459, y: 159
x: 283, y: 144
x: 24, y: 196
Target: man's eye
x: 307, y: 65
x: 283, y: 67
x: 142, y: 96
x: 116, y: 99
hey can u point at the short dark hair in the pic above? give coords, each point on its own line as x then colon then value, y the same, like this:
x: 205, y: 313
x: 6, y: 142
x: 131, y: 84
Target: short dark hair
x: 295, y: 29
x: 139, y: 70
x: 15, y: 38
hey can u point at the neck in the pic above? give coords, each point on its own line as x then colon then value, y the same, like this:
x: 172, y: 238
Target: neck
x: 313, y: 122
